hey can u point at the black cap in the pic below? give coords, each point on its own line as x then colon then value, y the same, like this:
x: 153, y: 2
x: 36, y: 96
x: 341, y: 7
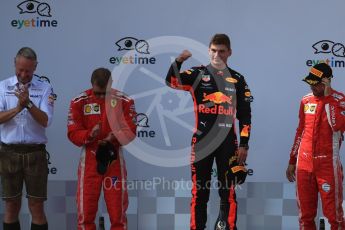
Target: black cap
x: 317, y: 72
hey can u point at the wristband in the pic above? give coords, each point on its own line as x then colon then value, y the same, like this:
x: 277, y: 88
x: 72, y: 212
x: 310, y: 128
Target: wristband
x: 29, y: 105
x: 245, y: 146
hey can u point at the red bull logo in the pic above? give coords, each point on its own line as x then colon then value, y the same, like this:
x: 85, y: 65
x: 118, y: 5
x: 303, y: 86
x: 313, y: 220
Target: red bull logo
x: 217, y: 109
x: 217, y: 98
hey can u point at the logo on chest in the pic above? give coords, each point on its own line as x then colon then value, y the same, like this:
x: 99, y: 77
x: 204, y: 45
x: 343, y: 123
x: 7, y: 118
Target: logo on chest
x: 217, y: 98
x: 206, y: 78
x: 310, y: 108
x: 90, y: 109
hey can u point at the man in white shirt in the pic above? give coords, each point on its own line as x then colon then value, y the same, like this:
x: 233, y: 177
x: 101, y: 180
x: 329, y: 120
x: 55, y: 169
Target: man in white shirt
x: 26, y: 109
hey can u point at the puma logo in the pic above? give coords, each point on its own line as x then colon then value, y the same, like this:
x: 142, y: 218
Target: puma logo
x: 221, y: 225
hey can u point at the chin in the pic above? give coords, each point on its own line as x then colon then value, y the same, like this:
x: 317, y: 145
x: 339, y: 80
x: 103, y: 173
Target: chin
x: 218, y: 64
x: 317, y: 94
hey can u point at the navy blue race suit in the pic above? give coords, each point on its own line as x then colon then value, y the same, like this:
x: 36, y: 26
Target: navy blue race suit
x: 219, y: 96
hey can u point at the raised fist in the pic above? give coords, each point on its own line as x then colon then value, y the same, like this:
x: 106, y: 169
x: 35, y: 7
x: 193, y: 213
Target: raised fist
x: 184, y: 56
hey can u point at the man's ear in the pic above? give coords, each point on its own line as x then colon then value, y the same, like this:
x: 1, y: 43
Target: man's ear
x: 36, y: 65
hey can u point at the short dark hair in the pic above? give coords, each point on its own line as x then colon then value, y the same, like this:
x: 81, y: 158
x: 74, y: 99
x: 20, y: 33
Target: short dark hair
x: 100, y: 77
x: 28, y: 53
x: 220, y: 39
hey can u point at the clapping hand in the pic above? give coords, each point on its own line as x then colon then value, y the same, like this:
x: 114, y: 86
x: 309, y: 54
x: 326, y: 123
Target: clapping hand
x: 22, y: 93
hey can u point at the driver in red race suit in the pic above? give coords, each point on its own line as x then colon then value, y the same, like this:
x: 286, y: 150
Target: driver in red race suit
x: 220, y: 95
x: 99, y: 116
x: 314, y: 159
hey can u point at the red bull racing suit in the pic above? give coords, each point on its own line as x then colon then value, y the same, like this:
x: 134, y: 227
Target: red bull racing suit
x: 316, y: 153
x: 219, y: 97
x: 115, y: 114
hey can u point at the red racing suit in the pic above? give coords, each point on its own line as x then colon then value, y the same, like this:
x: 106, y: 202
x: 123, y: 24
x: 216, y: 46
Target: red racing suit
x: 316, y: 154
x: 116, y: 114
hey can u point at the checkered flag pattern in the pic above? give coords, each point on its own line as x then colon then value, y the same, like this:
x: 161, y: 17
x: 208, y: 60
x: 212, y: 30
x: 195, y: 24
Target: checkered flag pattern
x: 261, y: 206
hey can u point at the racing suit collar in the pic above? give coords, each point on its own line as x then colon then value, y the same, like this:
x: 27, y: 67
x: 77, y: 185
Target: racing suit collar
x: 218, y: 72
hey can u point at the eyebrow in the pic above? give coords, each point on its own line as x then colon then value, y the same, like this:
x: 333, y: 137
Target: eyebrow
x: 221, y: 50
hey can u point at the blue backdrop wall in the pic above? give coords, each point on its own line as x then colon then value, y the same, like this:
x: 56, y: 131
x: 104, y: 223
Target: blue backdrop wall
x: 274, y: 43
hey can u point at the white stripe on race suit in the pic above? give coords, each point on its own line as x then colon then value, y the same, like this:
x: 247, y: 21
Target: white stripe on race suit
x: 297, y: 195
x: 123, y: 184
x: 336, y: 161
x: 81, y: 185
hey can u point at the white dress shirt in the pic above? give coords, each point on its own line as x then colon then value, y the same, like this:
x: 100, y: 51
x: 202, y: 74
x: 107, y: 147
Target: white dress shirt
x: 23, y: 129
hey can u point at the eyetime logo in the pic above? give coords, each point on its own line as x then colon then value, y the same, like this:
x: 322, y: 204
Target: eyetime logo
x: 37, y: 8
x: 142, y: 121
x: 328, y: 47
x: 130, y: 43
x: 51, y: 168
x: 141, y: 52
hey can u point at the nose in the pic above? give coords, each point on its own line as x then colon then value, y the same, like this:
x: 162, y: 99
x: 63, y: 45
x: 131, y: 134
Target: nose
x: 23, y: 73
x: 216, y: 54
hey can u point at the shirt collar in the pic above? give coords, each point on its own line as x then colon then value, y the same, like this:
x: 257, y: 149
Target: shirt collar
x: 217, y: 72
x: 34, y: 81
x: 13, y: 81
